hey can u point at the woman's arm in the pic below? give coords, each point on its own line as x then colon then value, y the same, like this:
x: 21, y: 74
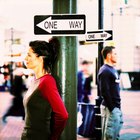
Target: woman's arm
x: 60, y: 115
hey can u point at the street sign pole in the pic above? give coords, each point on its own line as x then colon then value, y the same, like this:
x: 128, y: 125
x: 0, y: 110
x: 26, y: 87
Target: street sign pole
x: 98, y: 130
x: 66, y: 69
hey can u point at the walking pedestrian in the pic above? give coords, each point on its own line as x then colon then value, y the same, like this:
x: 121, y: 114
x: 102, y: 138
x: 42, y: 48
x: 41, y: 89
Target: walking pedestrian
x: 17, y: 89
x: 108, y: 82
x: 45, y: 113
x: 84, y: 82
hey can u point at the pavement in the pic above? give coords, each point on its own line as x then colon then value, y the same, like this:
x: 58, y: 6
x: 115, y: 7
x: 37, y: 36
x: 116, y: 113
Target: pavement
x: 130, y: 107
x: 131, y: 114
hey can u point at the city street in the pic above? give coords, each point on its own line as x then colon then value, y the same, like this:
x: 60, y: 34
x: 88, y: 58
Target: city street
x: 131, y: 111
x: 130, y: 106
x: 67, y: 38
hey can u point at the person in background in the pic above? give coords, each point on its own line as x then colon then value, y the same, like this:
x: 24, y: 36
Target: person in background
x: 84, y: 82
x: 6, y: 73
x: 108, y: 82
x: 45, y: 112
x: 16, y: 90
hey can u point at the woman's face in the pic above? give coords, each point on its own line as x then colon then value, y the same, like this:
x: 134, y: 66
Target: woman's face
x: 32, y: 60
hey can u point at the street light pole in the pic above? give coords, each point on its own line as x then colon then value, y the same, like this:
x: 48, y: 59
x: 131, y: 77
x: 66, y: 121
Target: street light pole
x: 100, y: 27
x: 66, y: 69
x: 98, y: 130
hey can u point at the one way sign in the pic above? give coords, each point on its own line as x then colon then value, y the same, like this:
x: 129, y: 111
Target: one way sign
x: 99, y: 36
x: 59, y: 24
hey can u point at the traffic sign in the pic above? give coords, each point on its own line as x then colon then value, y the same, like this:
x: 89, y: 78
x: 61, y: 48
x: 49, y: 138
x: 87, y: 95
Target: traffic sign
x: 99, y: 36
x: 59, y: 24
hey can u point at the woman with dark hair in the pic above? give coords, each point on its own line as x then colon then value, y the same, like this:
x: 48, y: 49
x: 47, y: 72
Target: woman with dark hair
x: 45, y: 113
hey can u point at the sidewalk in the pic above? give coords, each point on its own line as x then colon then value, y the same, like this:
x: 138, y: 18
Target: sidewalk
x: 130, y: 107
x: 131, y: 112
x: 12, y: 130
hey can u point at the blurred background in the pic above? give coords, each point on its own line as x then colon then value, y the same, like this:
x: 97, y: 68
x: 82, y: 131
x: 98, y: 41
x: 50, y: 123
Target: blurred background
x: 121, y: 16
x: 17, y: 29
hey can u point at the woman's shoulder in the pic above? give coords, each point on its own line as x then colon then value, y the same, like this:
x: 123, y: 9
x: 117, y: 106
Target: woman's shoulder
x: 47, y: 78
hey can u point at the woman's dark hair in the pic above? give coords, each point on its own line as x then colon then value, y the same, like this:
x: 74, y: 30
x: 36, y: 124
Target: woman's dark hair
x: 106, y: 50
x: 48, y: 50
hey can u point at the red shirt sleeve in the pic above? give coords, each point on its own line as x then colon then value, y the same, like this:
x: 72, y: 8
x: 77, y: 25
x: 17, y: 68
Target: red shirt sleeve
x: 50, y: 93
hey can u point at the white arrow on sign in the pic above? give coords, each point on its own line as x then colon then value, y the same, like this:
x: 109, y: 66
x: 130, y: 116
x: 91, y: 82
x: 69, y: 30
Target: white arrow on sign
x: 50, y: 25
x: 99, y: 35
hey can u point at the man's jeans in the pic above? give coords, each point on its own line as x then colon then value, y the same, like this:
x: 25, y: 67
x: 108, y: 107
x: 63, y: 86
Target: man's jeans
x: 111, y: 123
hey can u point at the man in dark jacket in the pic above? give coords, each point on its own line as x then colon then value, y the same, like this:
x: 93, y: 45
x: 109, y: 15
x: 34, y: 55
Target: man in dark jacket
x: 108, y: 82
